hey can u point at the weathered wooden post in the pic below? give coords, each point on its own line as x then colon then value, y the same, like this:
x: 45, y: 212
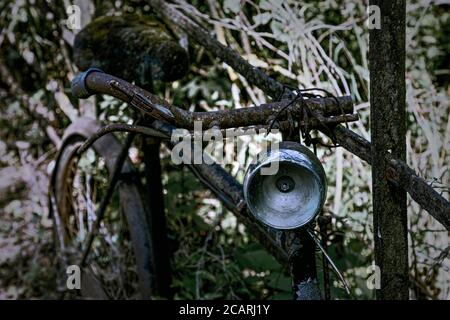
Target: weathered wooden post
x: 388, y: 130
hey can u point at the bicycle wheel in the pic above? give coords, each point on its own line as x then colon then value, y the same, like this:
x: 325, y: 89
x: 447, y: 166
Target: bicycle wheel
x: 119, y: 262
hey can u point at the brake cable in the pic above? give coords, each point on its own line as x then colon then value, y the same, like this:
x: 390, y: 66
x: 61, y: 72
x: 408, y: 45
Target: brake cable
x: 305, y: 112
x: 335, y: 268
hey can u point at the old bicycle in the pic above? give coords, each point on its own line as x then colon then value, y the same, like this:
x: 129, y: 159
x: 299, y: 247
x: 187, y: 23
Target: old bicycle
x: 122, y: 253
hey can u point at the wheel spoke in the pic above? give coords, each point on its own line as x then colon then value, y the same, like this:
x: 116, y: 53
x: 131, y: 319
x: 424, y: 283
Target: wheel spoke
x: 111, y: 186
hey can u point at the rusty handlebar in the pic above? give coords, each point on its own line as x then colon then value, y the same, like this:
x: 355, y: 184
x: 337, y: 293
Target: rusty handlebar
x: 93, y: 81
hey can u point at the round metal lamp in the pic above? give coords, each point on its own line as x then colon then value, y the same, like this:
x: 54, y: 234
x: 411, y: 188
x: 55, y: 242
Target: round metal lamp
x: 290, y: 195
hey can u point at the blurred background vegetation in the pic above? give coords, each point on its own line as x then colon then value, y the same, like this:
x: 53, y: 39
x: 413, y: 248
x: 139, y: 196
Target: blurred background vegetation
x: 302, y: 43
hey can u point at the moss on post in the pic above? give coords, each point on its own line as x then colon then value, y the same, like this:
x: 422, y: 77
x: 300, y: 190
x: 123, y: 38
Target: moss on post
x: 132, y: 47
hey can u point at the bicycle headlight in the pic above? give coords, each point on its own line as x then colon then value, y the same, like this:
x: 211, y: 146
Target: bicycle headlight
x: 287, y: 187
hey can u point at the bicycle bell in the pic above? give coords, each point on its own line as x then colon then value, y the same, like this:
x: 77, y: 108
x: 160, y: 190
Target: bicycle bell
x: 291, y: 196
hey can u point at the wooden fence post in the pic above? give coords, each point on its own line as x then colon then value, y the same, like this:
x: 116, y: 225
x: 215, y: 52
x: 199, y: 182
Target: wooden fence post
x: 388, y: 129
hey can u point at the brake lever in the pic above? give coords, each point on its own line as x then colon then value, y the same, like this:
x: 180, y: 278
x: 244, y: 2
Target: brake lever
x: 144, y: 104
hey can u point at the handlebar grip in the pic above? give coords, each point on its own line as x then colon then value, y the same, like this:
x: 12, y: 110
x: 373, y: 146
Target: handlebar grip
x: 78, y: 84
